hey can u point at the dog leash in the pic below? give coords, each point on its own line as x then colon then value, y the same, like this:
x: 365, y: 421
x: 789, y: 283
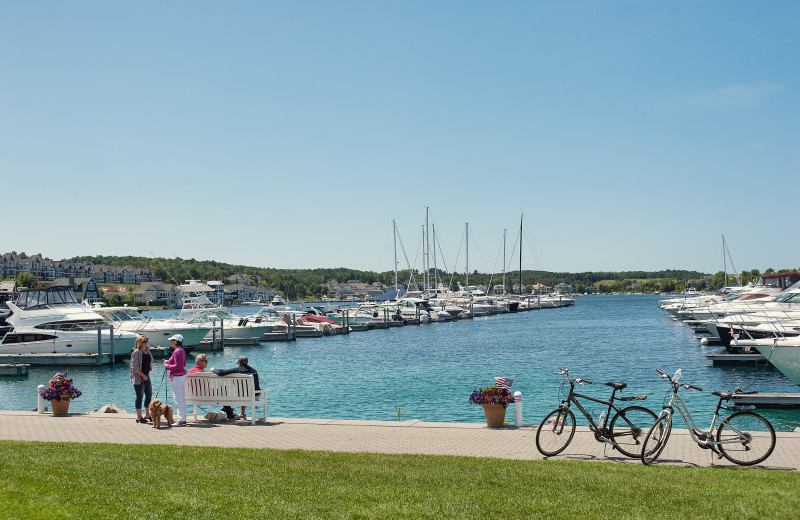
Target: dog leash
x: 161, y: 384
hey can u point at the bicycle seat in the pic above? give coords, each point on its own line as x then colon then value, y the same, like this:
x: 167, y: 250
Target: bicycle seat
x: 724, y: 395
x: 617, y: 386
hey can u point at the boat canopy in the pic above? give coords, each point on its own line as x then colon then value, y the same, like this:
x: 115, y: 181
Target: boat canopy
x: 45, y: 297
x: 782, y: 280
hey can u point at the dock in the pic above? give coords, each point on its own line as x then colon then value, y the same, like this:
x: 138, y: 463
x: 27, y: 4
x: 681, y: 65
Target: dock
x: 725, y: 358
x: 14, y: 370
x: 770, y: 400
x: 56, y: 360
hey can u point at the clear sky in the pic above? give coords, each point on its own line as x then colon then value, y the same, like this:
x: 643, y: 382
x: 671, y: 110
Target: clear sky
x: 290, y: 134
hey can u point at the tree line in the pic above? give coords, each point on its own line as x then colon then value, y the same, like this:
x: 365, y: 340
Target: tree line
x: 298, y: 284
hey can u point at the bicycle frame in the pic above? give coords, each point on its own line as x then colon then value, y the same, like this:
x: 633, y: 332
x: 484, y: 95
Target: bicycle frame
x: 572, y: 398
x: 701, y: 437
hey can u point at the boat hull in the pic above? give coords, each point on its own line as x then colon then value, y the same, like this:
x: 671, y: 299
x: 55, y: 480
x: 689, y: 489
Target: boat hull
x: 785, y: 358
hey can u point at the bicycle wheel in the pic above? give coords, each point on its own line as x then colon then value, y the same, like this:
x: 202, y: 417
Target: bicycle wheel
x: 555, y: 432
x: 628, y: 428
x: 745, y: 438
x: 656, y: 439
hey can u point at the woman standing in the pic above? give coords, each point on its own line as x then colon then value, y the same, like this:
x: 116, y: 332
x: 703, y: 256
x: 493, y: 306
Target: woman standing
x: 176, y: 366
x: 141, y: 364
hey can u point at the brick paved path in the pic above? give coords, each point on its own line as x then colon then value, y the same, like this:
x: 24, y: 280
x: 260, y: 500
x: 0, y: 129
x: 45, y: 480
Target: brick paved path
x: 473, y: 440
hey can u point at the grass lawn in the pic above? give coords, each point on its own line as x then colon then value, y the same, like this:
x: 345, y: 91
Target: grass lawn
x: 76, y: 480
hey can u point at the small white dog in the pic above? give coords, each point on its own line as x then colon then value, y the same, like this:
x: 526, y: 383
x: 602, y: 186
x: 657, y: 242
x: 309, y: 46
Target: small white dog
x: 216, y: 416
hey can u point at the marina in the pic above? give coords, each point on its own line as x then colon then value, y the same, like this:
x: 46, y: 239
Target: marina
x: 427, y: 372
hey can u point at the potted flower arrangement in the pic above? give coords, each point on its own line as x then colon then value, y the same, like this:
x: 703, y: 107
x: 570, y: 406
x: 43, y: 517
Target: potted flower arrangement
x: 494, y: 401
x: 60, y: 393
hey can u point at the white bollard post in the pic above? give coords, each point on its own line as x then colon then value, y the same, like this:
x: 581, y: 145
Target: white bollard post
x: 40, y: 406
x: 518, y: 409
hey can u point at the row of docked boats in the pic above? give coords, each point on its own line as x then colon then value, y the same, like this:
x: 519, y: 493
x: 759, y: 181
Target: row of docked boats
x: 764, y: 317
x: 51, y: 321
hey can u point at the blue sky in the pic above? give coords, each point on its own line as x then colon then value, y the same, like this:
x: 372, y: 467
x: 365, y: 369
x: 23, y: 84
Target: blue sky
x: 630, y: 134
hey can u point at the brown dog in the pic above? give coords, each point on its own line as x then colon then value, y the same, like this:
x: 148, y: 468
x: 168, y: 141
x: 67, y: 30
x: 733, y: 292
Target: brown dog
x: 158, y: 410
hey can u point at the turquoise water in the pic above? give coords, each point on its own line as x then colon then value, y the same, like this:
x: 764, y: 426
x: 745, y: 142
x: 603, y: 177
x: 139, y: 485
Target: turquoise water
x: 428, y: 372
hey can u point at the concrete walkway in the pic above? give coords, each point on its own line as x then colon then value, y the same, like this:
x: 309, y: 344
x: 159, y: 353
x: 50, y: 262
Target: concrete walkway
x: 413, y: 437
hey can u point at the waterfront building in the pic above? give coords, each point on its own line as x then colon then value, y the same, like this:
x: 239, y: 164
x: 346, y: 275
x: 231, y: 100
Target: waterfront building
x: 157, y: 291
x: 563, y: 288
x: 85, y: 289
x: 217, y: 294
x: 47, y: 270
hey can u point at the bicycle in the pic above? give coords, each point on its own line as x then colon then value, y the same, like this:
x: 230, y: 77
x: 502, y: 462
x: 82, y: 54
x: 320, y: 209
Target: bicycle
x: 744, y: 437
x: 625, y: 431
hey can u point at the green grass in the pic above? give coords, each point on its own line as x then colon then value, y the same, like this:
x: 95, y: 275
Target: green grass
x: 76, y: 480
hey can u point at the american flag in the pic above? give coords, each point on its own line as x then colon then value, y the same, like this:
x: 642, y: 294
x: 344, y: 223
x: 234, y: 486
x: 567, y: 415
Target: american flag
x: 504, y: 382
x: 59, y: 375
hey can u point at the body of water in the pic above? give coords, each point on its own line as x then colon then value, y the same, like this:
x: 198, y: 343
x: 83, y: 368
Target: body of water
x: 428, y: 372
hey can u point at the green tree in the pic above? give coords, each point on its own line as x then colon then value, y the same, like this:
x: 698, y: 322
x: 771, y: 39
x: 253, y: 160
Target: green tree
x: 27, y: 280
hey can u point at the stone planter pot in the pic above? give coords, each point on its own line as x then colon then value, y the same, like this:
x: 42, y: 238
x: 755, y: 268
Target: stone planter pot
x: 60, y: 406
x: 495, y: 414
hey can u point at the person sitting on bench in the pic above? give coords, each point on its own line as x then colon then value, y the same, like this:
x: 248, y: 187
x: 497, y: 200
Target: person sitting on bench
x: 241, y: 368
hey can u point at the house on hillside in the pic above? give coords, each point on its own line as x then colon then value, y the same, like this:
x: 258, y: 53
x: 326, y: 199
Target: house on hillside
x: 563, y: 288
x: 85, y: 288
x: 153, y: 291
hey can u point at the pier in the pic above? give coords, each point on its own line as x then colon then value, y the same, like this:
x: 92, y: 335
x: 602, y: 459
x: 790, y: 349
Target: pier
x: 14, y: 370
x: 725, y: 358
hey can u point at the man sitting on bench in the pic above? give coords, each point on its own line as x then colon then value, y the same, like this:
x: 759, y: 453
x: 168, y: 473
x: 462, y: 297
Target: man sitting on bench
x: 241, y: 368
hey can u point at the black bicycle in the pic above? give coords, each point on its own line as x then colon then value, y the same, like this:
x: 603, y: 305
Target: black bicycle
x: 625, y: 432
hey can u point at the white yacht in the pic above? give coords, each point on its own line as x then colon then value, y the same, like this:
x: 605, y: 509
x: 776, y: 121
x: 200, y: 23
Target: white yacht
x: 199, y: 310
x: 130, y: 319
x: 782, y: 352
x: 51, y: 321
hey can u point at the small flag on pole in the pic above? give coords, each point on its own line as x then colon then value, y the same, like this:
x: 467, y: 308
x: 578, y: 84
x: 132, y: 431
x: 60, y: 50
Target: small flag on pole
x: 504, y: 382
x: 58, y: 376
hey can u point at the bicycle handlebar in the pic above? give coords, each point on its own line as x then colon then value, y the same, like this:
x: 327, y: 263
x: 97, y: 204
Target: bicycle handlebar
x: 579, y: 380
x: 688, y: 386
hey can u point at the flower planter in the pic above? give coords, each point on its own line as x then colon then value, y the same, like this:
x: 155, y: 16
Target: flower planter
x: 60, y: 406
x: 495, y: 414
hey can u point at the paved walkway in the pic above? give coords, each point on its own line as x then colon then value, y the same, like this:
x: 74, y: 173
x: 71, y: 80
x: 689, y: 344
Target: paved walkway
x: 415, y: 437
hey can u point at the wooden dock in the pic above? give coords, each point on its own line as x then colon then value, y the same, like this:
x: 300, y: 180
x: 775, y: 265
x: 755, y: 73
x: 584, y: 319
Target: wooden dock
x: 725, y: 358
x: 277, y: 336
x: 14, y: 370
x: 56, y: 360
x: 771, y: 400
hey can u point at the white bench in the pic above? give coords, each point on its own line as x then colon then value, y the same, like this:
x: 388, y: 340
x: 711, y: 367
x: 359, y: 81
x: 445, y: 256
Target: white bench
x: 231, y: 390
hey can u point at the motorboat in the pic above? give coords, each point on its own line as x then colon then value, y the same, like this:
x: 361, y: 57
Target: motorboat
x: 158, y: 331
x: 51, y: 321
x: 782, y: 352
x: 199, y: 310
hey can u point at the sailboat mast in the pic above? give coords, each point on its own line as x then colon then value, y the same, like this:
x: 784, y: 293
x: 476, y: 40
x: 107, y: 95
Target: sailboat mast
x: 466, y: 224
x: 435, y: 267
x: 724, y: 263
x: 427, y: 252
x: 520, y: 253
x: 394, y: 227
x: 504, y: 261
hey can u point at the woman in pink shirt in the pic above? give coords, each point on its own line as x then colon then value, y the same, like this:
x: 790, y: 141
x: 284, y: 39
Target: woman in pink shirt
x: 176, y: 366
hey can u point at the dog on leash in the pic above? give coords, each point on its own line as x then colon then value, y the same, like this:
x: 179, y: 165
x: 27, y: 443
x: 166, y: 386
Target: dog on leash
x: 159, y: 410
